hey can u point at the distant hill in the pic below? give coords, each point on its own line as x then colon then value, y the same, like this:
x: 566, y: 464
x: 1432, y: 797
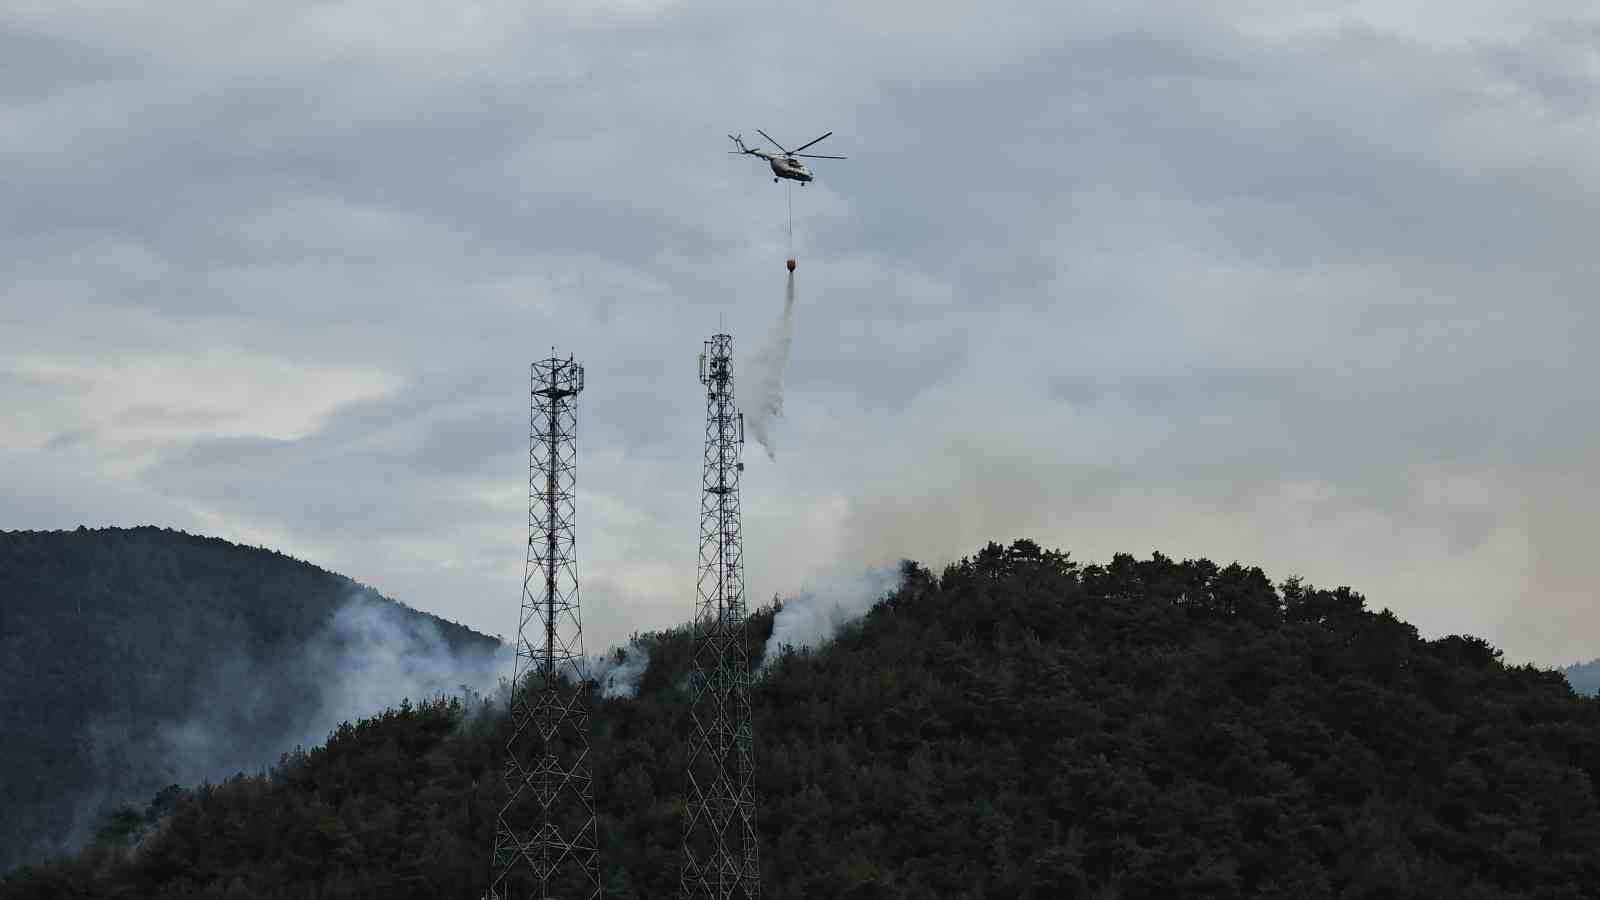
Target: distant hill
x: 1585, y: 677
x: 1018, y: 726
x: 131, y: 659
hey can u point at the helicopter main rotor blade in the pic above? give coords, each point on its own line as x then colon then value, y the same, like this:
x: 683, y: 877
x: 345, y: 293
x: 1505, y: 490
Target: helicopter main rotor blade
x: 818, y: 156
x: 775, y: 143
x: 803, y: 146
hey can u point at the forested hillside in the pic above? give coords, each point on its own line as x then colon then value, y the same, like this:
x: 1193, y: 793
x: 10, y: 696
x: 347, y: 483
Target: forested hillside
x: 133, y: 658
x: 1018, y: 726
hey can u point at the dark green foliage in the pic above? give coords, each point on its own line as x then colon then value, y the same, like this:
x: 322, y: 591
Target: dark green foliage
x: 1019, y: 727
x: 106, y: 635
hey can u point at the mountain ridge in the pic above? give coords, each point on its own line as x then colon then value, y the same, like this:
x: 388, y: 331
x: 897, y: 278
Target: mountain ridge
x: 1017, y: 726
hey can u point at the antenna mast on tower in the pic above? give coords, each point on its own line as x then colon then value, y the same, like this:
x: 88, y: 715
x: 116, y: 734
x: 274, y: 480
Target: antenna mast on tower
x: 720, y: 858
x: 546, y: 837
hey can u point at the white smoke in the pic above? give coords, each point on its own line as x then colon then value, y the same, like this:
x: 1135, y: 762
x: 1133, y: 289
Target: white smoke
x: 254, y: 707
x: 811, y: 618
x: 619, y: 671
x: 769, y: 365
x: 384, y: 657
x: 371, y: 656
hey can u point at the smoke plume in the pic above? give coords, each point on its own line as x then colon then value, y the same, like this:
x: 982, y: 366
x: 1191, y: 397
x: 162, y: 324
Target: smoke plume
x: 371, y: 655
x: 814, y: 616
x: 769, y: 365
x: 1585, y: 677
x: 619, y: 671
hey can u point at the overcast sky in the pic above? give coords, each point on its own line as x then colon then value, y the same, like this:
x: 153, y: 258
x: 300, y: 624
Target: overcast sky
x: 1307, y: 285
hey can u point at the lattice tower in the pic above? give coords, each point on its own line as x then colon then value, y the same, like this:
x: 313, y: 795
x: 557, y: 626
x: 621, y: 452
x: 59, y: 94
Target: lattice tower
x: 547, y: 838
x: 720, y: 858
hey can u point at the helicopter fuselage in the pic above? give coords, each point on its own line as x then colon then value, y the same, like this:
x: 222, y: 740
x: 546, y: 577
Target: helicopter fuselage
x: 784, y: 167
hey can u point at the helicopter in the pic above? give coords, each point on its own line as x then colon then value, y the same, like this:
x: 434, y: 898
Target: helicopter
x: 786, y: 164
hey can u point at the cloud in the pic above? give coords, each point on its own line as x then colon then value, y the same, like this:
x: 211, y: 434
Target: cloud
x: 1302, y: 286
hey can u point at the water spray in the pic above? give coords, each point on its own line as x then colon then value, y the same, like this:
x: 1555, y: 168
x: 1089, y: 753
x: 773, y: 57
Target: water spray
x: 769, y: 364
